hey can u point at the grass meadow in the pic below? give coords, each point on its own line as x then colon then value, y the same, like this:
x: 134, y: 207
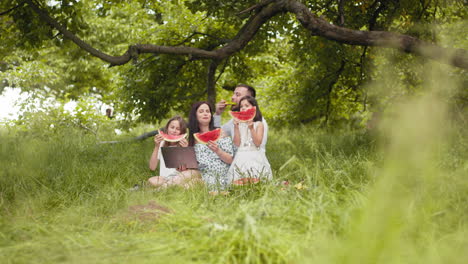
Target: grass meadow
x: 397, y: 194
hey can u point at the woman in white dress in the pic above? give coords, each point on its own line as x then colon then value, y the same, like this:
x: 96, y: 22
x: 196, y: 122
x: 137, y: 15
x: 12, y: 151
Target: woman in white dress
x: 250, y: 163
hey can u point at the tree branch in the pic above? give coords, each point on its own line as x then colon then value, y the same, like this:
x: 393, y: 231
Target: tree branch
x: 114, y: 60
x: 341, y: 13
x: 373, y: 20
x: 266, y: 10
x: 247, y: 32
x: 257, y: 6
x: 320, y: 27
x: 220, y: 40
x: 222, y: 70
x: 211, y: 82
x: 330, y: 89
x: 13, y: 8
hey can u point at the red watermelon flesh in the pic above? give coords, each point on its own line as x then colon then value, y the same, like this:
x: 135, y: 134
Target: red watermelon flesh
x: 171, y: 138
x: 244, y: 116
x: 212, y: 135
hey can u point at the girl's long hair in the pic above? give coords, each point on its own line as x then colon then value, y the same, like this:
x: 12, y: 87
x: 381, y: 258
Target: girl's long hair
x: 253, y: 102
x: 194, y: 126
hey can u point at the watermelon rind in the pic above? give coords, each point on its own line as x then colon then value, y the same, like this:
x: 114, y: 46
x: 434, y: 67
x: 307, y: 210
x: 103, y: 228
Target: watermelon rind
x: 212, y: 135
x: 244, y: 116
x: 170, y: 138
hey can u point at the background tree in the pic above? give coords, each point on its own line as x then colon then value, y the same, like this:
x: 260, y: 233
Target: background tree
x: 318, y: 52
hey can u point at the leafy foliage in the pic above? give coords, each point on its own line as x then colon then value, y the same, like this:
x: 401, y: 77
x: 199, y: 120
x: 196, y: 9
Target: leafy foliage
x: 283, y: 61
x: 43, y: 117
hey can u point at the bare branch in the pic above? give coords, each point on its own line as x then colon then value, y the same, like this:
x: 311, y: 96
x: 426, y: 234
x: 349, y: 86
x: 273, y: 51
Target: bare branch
x: 373, y: 20
x: 186, y: 39
x: 211, y: 82
x: 119, y: 60
x: 320, y: 27
x: 341, y: 12
x: 330, y: 89
x: 85, y: 127
x: 13, y: 8
x: 248, y: 31
x: 257, y: 6
x: 222, y: 70
x: 220, y: 40
x: 361, y: 63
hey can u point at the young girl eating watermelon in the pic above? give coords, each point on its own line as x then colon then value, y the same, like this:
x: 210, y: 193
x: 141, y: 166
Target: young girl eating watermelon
x: 173, y: 135
x: 250, y: 163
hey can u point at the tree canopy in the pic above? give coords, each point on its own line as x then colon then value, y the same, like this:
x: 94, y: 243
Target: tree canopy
x: 310, y: 60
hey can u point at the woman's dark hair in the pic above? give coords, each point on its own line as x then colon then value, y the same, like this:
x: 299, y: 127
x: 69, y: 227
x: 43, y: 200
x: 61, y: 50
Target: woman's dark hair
x: 193, y: 121
x: 253, y: 102
x: 251, y: 90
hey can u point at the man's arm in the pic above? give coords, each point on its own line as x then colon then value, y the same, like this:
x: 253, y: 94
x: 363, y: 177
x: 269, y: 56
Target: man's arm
x: 228, y: 128
x: 220, y: 106
x: 217, y: 120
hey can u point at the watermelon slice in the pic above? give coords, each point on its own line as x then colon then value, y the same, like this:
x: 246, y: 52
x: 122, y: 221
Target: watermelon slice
x: 171, y: 138
x: 244, y: 116
x: 245, y: 181
x: 212, y: 135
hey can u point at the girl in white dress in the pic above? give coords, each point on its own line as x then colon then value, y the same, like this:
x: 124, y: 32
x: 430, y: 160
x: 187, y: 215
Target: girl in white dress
x: 250, y: 163
x: 167, y: 176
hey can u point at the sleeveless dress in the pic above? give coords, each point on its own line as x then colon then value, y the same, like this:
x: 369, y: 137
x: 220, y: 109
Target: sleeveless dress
x: 213, y: 169
x: 250, y: 161
x: 166, y: 173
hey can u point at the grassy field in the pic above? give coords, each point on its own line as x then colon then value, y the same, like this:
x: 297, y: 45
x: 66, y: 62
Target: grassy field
x: 397, y: 195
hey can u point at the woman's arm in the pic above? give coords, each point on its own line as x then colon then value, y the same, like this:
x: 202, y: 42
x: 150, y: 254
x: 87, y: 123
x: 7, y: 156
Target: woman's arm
x: 257, y: 134
x: 223, y: 155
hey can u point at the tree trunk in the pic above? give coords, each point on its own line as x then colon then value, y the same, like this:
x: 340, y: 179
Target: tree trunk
x: 211, y: 82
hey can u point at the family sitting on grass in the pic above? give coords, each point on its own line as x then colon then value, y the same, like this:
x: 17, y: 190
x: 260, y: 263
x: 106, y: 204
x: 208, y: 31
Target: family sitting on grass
x: 237, y: 157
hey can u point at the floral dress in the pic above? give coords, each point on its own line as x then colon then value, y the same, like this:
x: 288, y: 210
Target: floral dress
x: 213, y: 169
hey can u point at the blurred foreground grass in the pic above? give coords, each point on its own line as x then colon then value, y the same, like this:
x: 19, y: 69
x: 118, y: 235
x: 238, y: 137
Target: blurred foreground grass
x: 66, y: 199
x: 397, y: 196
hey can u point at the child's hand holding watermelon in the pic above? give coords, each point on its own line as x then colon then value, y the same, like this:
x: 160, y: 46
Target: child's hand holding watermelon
x: 158, y: 139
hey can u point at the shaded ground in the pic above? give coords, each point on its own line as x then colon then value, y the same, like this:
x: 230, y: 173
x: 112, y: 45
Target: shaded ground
x: 147, y: 212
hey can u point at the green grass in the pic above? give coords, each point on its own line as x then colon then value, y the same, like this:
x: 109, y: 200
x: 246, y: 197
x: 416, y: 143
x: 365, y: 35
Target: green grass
x: 398, y: 199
